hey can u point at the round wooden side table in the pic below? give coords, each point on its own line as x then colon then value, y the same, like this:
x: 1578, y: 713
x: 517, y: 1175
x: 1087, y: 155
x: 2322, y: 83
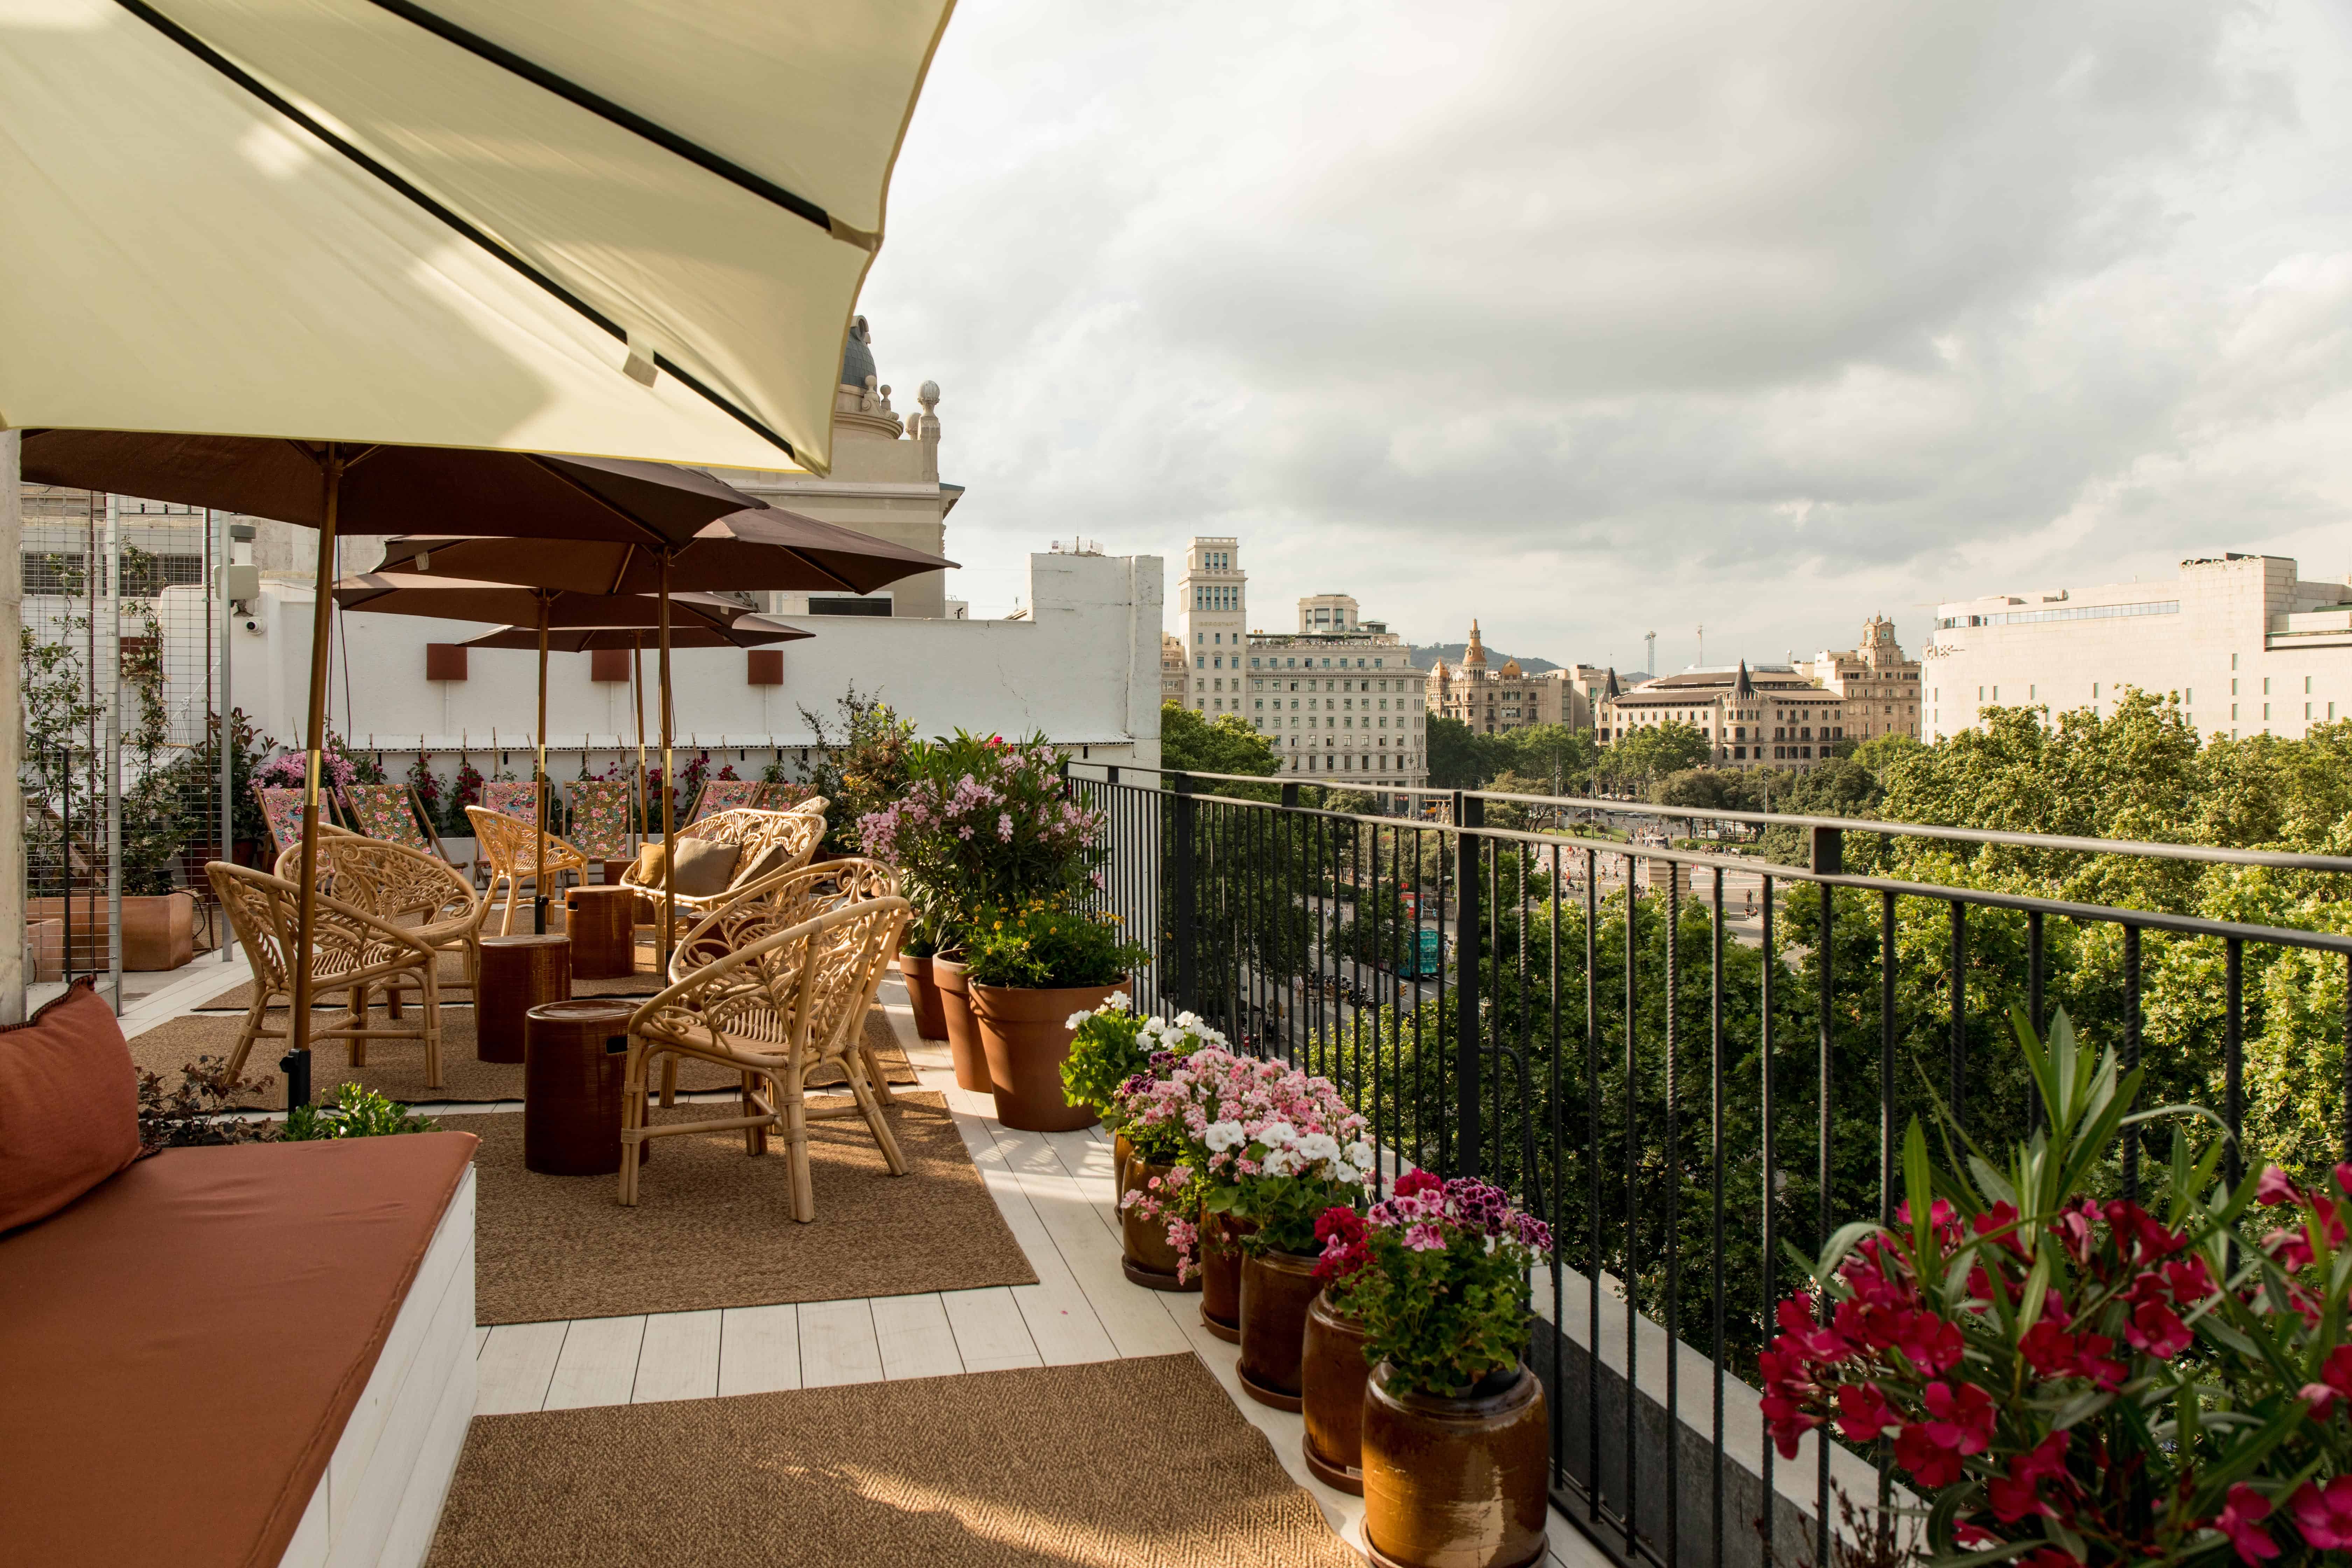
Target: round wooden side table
x: 518, y: 973
x: 601, y: 922
x: 573, y: 1069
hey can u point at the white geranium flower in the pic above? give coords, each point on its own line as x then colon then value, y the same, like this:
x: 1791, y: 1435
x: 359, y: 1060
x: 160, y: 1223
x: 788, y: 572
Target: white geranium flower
x: 1280, y: 1163
x: 1076, y: 1020
x: 1118, y: 1002
x: 1318, y: 1146
x: 1277, y: 1136
x: 1221, y: 1136
x: 1189, y: 1022
x: 1359, y: 1155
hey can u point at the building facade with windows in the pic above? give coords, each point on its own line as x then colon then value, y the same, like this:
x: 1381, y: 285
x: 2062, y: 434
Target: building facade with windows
x: 1490, y: 699
x: 1770, y: 716
x: 2247, y: 644
x: 1880, y: 686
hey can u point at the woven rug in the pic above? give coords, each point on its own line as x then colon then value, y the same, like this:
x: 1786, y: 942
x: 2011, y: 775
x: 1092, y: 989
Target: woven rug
x: 396, y: 1068
x: 713, y: 1226
x: 646, y: 982
x: 1121, y: 1464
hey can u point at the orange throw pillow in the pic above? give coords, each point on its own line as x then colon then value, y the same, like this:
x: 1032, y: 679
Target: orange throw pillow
x: 68, y: 1106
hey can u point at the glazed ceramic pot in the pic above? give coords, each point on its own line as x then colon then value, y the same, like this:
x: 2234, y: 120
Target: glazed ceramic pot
x: 1332, y: 1377
x: 1277, y: 1289
x: 922, y: 996
x: 962, y: 1027
x: 1455, y: 1480
x: 1145, y: 1256
x: 1221, y: 1275
x: 1025, y: 1037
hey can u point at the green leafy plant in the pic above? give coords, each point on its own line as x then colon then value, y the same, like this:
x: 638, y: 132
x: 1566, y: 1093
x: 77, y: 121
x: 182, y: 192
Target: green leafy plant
x: 1046, y: 949
x: 1438, y: 1275
x: 2074, y: 1380
x: 1113, y: 1043
x: 861, y: 767
x: 352, y: 1111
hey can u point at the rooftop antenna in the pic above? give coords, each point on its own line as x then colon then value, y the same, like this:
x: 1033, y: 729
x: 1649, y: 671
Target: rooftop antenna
x: 1650, y: 651
x: 1702, y: 645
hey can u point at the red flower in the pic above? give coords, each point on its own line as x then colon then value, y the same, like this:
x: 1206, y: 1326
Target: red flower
x: 1929, y: 1342
x: 2096, y: 1364
x: 1864, y: 1413
x: 2189, y: 1280
x: 2335, y: 1379
x: 2325, y: 1514
x: 2014, y: 1497
x: 1963, y: 1421
x: 1969, y: 1534
x: 1820, y: 1344
x: 2289, y: 1247
x: 1414, y: 1182
x: 2155, y: 1329
x: 1787, y: 1422
x: 2001, y: 1216
x: 2150, y: 1240
x: 2049, y: 1350
x: 1931, y: 1466
x: 2054, y: 1557
x: 2276, y: 1188
x: 2239, y: 1520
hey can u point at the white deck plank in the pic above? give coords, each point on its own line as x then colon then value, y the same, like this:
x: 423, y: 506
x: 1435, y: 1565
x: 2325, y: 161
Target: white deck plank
x: 479, y: 1335
x: 1061, y: 1321
x: 1089, y: 1163
x: 914, y: 1337
x: 759, y: 1349
x: 515, y: 1364
x: 1135, y: 1324
x: 599, y: 1363
x: 989, y: 1335
x: 838, y: 1344
x: 679, y: 1358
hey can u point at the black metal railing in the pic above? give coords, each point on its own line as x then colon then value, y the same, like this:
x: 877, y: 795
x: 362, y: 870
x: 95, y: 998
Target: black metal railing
x: 1682, y: 1056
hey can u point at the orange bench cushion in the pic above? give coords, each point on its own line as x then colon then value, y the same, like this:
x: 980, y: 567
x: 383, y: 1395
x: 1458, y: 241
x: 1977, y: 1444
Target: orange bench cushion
x: 184, y: 1343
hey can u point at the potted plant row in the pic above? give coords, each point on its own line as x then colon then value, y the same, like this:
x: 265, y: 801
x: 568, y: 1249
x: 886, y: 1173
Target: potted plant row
x: 1029, y: 973
x: 1115, y: 1049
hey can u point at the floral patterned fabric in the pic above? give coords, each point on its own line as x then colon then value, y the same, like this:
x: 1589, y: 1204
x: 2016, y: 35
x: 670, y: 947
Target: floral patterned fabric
x: 510, y: 797
x: 382, y: 811
x: 282, y: 810
x: 600, y: 817
x: 726, y: 795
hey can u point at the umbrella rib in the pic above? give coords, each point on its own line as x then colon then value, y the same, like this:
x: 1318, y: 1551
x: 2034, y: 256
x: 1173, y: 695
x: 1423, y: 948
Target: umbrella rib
x: 629, y: 120
x: 557, y: 471
x: 253, y: 85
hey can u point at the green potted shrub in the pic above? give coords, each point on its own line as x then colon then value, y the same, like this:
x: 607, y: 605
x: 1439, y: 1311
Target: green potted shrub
x: 1033, y: 973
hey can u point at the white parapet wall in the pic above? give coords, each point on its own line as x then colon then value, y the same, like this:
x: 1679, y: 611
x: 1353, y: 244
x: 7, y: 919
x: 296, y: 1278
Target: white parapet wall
x: 1082, y: 667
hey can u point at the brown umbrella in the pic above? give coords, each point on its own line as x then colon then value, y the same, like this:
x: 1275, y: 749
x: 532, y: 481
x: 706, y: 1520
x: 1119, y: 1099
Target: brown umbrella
x: 774, y: 549
x: 343, y: 485
x: 763, y: 550
x: 455, y: 599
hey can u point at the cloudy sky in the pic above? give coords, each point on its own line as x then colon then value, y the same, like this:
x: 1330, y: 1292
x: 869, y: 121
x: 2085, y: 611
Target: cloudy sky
x: 1587, y: 319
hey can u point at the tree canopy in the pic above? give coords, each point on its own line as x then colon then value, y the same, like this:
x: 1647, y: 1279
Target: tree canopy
x: 1226, y: 745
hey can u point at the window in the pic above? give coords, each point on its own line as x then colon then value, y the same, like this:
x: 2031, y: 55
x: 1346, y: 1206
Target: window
x: 2307, y: 686
x: 2094, y: 697
x: 2233, y: 662
x: 1253, y: 666
x: 2078, y: 612
x: 2266, y: 685
x: 2233, y: 686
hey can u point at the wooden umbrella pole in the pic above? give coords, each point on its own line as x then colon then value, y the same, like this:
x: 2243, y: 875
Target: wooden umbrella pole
x: 539, y: 785
x: 669, y: 793
x: 297, y: 1065
x: 638, y: 698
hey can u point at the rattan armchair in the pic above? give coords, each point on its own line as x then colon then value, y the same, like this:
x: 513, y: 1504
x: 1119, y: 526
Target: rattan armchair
x: 414, y: 889
x: 508, y: 849
x: 774, y: 1009
x: 799, y: 831
x: 352, y: 951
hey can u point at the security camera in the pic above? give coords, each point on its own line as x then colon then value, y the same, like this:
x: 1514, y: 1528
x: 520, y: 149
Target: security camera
x: 253, y: 626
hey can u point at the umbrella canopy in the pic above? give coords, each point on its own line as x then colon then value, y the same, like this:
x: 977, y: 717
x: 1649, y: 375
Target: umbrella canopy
x: 393, y: 489
x: 602, y: 226
x: 751, y: 631
x: 772, y: 550
x: 504, y: 604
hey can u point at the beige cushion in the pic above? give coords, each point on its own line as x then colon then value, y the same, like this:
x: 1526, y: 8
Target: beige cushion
x: 766, y: 863
x: 704, y: 867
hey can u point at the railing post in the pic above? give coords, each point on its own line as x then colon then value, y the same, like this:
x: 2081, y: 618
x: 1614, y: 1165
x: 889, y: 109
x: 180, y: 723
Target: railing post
x: 1469, y: 811
x: 1181, y: 854
x: 1828, y: 850
x: 1290, y: 796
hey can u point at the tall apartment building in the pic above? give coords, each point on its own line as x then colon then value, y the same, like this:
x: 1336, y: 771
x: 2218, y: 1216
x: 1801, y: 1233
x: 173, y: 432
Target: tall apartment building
x: 1334, y: 697
x: 1880, y: 686
x: 2248, y: 645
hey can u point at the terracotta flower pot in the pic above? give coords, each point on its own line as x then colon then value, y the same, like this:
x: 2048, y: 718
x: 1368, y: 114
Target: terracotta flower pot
x: 923, y: 998
x: 1331, y: 1380
x: 1277, y: 1289
x: 1146, y: 1255
x: 962, y: 1029
x: 1221, y: 1275
x: 1455, y: 1482
x: 1025, y: 1037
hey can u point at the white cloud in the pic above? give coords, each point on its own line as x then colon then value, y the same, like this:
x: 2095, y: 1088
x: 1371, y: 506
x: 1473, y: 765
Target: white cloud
x: 1581, y: 318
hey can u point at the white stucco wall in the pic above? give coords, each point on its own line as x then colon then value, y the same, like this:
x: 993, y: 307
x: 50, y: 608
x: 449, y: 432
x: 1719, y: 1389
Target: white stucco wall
x: 1083, y: 668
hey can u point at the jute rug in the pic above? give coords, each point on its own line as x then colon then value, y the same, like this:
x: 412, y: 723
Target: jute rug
x: 1120, y: 1464
x: 713, y: 1226
x: 646, y: 982
x: 396, y: 1068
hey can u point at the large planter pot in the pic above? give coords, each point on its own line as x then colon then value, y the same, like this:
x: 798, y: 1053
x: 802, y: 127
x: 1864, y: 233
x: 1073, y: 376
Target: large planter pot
x: 1277, y: 1289
x: 1221, y: 1275
x: 159, y: 931
x: 922, y: 996
x: 1455, y: 1482
x: 1145, y: 1256
x: 962, y: 1027
x: 1025, y: 1037
x: 1332, y: 1377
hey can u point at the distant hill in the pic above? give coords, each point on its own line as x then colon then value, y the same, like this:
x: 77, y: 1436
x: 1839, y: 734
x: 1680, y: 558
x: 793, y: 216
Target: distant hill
x: 1452, y: 652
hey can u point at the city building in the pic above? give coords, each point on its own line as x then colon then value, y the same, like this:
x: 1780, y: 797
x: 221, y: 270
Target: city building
x: 1880, y: 686
x: 1339, y: 696
x: 1492, y: 699
x: 1770, y: 716
x: 2247, y: 644
x: 1175, y: 669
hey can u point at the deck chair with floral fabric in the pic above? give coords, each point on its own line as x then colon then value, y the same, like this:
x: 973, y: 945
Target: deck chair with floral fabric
x: 598, y: 825
x: 390, y: 812
x: 726, y: 795
x: 281, y: 813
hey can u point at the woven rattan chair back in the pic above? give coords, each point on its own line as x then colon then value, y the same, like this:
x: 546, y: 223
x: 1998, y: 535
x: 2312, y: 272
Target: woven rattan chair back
x: 511, y: 852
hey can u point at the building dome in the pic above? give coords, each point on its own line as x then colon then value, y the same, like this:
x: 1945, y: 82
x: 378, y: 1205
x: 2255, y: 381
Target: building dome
x: 1511, y: 670
x: 1476, y: 652
x: 857, y: 357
